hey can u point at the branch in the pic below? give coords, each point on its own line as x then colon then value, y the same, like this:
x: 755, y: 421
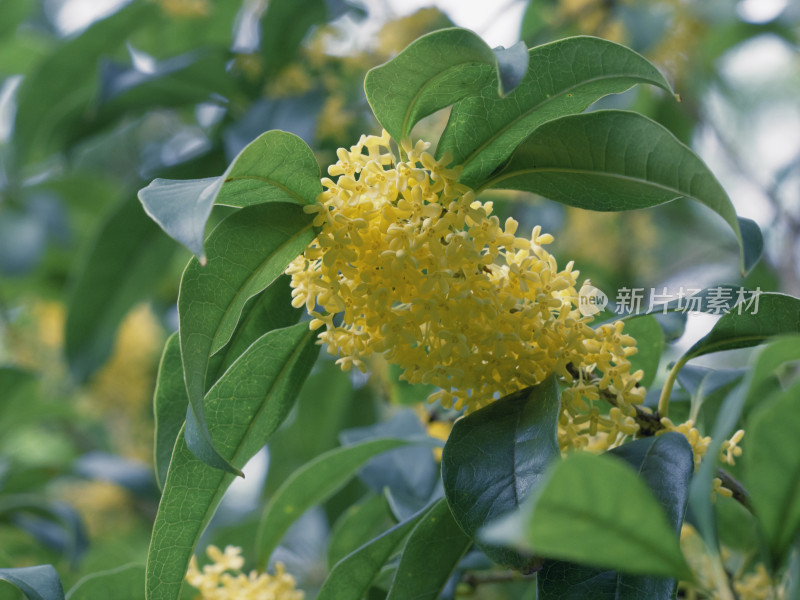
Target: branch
x: 650, y: 424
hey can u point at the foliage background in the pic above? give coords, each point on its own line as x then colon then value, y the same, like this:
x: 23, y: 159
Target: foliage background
x: 176, y: 88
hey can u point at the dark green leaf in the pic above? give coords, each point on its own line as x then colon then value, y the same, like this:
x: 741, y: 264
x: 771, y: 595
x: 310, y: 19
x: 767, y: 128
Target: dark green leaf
x: 312, y: 484
x: 246, y: 252
x: 773, y: 315
x: 351, y: 577
x: 431, y: 73
x: 37, y: 583
x: 495, y: 458
x: 357, y: 526
x: 248, y: 403
x: 613, y: 160
x: 772, y: 470
x: 123, y: 583
x: 283, y: 27
x: 123, y: 264
x: 665, y: 464
x: 592, y: 502
x: 431, y: 553
x: 275, y: 167
x: 564, y: 77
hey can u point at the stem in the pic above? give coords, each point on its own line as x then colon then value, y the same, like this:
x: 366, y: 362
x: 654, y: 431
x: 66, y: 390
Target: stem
x: 666, y: 391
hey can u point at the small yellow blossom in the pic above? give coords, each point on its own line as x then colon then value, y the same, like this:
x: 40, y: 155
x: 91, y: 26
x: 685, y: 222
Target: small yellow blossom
x: 182, y: 9
x: 224, y: 580
x: 410, y: 265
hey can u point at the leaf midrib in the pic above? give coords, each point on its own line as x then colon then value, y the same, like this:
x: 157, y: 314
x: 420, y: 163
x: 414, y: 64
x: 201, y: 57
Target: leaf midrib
x: 425, y: 86
x: 288, y: 191
x: 502, y: 131
x: 606, y: 523
x: 247, y: 282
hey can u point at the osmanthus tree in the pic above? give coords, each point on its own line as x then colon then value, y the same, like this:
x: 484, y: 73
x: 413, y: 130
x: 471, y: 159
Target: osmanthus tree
x: 558, y: 473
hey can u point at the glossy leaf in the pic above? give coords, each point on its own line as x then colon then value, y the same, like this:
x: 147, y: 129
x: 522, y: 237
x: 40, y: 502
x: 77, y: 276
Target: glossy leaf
x: 772, y: 470
x: 762, y: 380
x: 776, y: 314
x: 312, y: 484
x: 665, y: 464
x: 430, y: 555
x: 123, y: 583
x: 351, y: 577
x: 564, y: 77
x: 249, y: 403
x: 246, y: 252
x: 275, y: 167
x: 613, y: 160
x: 590, y: 502
x: 124, y: 263
x: 433, y: 72
x: 37, y: 583
x: 495, y: 458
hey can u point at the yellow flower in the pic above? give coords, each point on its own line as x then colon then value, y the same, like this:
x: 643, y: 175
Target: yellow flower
x: 410, y: 265
x: 224, y: 580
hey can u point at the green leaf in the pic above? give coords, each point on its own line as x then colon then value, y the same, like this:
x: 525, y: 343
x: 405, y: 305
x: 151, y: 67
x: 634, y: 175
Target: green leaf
x: 495, y: 458
x: 431, y: 553
x: 665, y: 464
x: 433, y: 72
x: 283, y: 27
x: 312, y: 484
x: 595, y: 511
x: 169, y: 406
x: 275, y: 167
x: 123, y: 583
x: 246, y: 252
x: 612, y: 160
x: 54, y: 98
x: 772, y: 470
x: 564, y: 77
x: 37, y: 583
x: 357, y: 526
x: 351, y: 577
x: 248, y: 403
x: 649, y: 342
x: 775, y: 314
x: 270, y: 309
x: 124, y: 262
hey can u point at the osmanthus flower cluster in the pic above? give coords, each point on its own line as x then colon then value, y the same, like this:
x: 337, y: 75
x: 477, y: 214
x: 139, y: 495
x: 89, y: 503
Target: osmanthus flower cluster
x: 410, y: 265
x: 224, y: 580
